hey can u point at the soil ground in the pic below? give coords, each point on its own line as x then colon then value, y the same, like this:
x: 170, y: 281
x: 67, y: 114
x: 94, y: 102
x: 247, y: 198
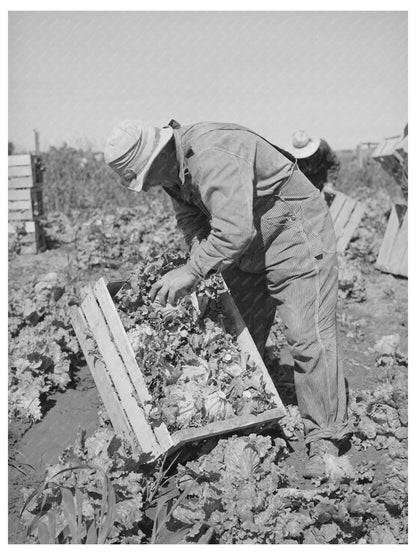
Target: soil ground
x: 384, y: 312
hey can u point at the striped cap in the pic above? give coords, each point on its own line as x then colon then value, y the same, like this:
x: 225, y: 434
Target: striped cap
x: 132, y: 147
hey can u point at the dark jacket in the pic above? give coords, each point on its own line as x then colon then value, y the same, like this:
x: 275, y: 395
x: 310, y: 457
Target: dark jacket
x: 321, y: 167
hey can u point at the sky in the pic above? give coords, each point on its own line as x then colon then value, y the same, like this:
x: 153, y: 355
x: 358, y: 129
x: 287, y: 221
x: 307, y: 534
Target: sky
x: 338, y: 75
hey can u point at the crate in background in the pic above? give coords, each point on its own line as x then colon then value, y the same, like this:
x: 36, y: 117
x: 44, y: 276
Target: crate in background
x: 25, y: 202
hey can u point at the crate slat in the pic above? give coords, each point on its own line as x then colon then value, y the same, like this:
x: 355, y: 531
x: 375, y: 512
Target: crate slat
x: 344, y: 215
x: 21, y: 182
x: 399, y: 248
x: 23, y: 194
x: 20, y: 160
x: 28, y: 226
x: 403, y: 268
x: 29, y: 249
x: 104, y: 385
x: 20, y: 171
x: 246, y: 344
x: 224, y: 426
x: 117, y: 371
x: 20, y: 205
x: 336, y: 205
x: 127, y: 354
x: 384, y: 254
x: 350, y: 227
x: 17, y: 215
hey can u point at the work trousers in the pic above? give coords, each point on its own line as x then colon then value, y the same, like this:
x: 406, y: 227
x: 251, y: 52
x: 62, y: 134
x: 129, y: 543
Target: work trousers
x: 292, y: 264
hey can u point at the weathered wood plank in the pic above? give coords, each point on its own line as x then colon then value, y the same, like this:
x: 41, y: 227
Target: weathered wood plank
x: 29, y: 226
x: 21, y: 182
x: 17, y: 215
x: 344, y: 215
x: 20, y: 159
x: 399, y: 248
x: 389, y: 238
x: 20, y: 171
x: 126, y: 352
x: 246, y: 344
x: 28, y: 238
x: 403, y: 269
x: 346, y: 234
x: 21, y: 194
x: 117, y: 371
x: 336, y: 205
x: 224, y: 426
x: 20, y: 205
x: 102, y: 380
x: 29, y: 249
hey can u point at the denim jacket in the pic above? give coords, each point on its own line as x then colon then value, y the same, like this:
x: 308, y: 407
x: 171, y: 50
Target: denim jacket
x: 224, y: 169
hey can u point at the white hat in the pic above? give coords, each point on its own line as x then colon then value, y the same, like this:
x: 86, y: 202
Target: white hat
x: 132, y: 147
x: 302, y: 145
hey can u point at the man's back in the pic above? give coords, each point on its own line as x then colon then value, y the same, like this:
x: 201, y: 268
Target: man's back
x: 209, y: 143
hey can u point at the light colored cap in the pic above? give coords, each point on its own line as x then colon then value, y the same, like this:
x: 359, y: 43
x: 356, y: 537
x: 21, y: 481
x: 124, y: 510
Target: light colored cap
x: 132, y: 147
x: 302, y: 145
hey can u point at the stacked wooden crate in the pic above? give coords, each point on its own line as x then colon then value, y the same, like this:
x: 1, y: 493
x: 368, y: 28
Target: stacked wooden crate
x: 25, y: 202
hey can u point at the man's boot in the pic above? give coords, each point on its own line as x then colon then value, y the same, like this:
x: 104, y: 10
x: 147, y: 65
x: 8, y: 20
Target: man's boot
x: 315, y: 466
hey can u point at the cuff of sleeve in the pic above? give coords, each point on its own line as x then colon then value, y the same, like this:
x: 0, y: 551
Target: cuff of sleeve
x: 192, y: 269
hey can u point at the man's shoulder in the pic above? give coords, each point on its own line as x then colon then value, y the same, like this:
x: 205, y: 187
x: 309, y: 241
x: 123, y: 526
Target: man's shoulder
x: 204, y: 135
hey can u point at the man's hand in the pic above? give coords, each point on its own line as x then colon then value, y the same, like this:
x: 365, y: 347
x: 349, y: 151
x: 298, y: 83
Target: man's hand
x: 173, y: 286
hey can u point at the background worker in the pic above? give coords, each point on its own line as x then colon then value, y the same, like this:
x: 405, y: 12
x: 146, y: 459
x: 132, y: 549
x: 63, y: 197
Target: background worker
x: 316, y: 160
x: 248, y: 212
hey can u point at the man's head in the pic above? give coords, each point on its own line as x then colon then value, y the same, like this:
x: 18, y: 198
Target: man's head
x: 303, y: 145
x: 142, y: 155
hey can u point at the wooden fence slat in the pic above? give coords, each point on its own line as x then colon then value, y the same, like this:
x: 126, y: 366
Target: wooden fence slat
x: 117, y: 371
x: 20, y: 171
x: 101, y: 378
x: 246, y: 344
x: 224, y: 426
x: 384, y: 254
x: 336, y: 205
x: 399, y: 248
x: 125, y: 349
x: 344, y: 238
x: 19, y: 160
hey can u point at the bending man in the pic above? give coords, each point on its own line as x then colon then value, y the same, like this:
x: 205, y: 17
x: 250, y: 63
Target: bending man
x: 248, y: 212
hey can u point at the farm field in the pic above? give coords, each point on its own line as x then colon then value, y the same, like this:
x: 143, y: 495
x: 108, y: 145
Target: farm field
x: 240, y: 488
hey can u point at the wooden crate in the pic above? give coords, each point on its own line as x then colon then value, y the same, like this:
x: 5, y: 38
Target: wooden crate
x: 25, y: 171
x: 346, y: 214
x: 122, y: 386
x: 393, y: 256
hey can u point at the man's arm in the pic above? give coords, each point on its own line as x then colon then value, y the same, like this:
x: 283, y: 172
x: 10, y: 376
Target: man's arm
x: 331, y: 161
x: 225, y: 182
x: 190, y: 220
